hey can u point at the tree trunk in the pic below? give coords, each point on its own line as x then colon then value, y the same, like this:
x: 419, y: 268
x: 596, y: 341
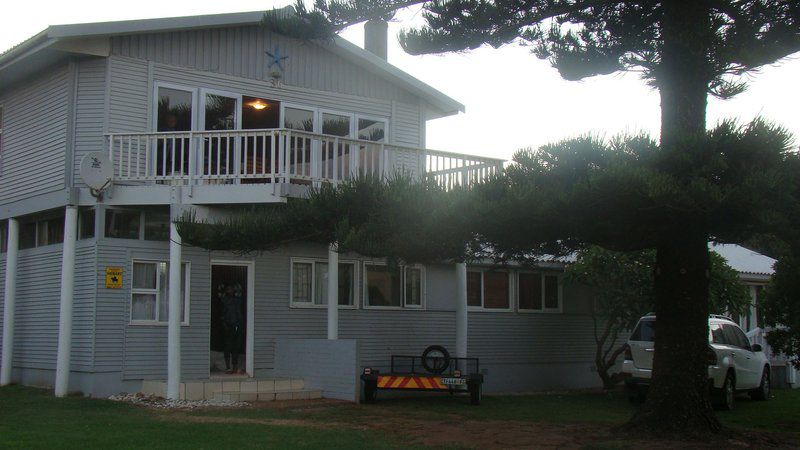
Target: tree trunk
x: 678, y: 399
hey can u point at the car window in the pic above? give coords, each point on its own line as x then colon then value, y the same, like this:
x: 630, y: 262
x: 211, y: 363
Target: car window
x: 717, y: 335
x: 645, y: 331
x: 735, y: 337
x: 741, y: 338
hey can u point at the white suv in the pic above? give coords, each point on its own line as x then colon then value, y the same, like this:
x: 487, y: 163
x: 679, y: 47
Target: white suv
x: 734, y: 365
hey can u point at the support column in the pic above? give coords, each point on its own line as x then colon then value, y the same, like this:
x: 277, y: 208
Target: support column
x: 9, y: 301
x: 174, y: 326
x: 67, y: 293
x: 333, y: 292
x: 461, y: 310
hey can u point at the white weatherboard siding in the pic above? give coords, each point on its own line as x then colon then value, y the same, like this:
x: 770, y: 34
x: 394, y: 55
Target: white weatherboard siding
x: 35, y: 116
x: 89, y: 111
x: 240, y: 52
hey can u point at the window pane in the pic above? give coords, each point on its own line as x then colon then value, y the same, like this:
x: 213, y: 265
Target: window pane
x: 86, y: 223
x: 144, y: 275
x: 298, y: 119
x: 156, y: 225
x: 260, y: 113
x: 27, y: 235
x: 551, y: 292
x: 163, y: 294
x: 3, y: 236
x: 53, y: 231
x: 174, y: 110
x: 383, y: 287
x: 474, y: 288
x: 347, y: 279
x: 530, y: 291
x: 645, y: 331
x: 143, y: 307
x: 321, y: 284
x: 122, y: 224
x: 717, y: 336
x: 413, y: 286
x: 371, y: 130
x: 495, y: 290
x: 301, y: 282
x: 335, y: 124
x: 220, y: 112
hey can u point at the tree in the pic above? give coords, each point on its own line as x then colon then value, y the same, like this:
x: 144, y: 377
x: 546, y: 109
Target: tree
x: 779, y: 308
x: 399, y: 218
x: 622, y: 283
x: 685, y: 49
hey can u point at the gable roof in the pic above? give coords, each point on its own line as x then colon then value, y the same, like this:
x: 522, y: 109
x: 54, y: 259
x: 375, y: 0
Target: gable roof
x: 744, y: 260
x: 42, y: 48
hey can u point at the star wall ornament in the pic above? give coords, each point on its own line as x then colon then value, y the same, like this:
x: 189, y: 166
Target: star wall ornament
x: 275, y: 62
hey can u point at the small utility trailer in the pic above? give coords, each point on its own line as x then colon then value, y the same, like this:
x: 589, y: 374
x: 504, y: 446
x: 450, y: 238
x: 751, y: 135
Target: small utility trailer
x: 434, y: 371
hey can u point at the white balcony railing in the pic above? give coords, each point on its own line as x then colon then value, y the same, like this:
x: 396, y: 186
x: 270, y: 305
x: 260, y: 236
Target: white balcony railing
x: 279, y: 156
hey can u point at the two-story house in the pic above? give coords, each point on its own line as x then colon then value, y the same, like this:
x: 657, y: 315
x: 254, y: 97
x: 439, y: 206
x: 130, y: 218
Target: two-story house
x: 211, y: 114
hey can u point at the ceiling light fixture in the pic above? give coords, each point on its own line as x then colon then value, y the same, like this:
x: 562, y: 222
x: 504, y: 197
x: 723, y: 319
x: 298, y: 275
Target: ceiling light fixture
x: 258, y: 105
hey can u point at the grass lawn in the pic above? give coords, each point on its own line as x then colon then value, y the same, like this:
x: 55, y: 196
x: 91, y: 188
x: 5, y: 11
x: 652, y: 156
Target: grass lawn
x: 33, y: 418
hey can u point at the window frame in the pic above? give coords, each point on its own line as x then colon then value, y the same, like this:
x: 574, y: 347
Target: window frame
x: 314, y: 262
x: 560, y: 280
x: 334, y: 112
x: 316, y: 127
x: 201, y: 116
x: 178, y: 87
x: 186, y: 294
x: 142, y: 224
x: 511, y: 295
x: 423, y: 293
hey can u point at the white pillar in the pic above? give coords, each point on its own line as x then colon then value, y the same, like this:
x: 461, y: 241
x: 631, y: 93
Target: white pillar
x: 174, y: 326
x: 333, y: 292
x: 67, y: 292
x: 461, y: 310
x: 9, y: 301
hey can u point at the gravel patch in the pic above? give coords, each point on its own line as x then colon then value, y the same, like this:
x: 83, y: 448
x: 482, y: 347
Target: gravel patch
x: 151, y: 401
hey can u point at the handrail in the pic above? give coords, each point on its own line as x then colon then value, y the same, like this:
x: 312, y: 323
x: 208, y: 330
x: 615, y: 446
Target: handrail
x: 271, y: 155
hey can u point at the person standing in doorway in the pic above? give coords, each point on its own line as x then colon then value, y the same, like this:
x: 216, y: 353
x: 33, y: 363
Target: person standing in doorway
x: 232, y: 328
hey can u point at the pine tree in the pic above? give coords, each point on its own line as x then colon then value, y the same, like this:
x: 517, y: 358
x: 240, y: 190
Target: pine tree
x: 685, y: 49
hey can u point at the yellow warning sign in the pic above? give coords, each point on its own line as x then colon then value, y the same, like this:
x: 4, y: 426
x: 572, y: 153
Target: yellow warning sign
x: 114, y: 277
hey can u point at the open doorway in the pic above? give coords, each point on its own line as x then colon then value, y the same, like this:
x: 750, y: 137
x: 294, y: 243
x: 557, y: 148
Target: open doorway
x: 230, y: 297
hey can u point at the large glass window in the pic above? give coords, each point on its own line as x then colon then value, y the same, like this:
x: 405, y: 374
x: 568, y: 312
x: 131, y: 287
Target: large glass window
x: 156, y: 225
x: 174, y: 115
x: 150, y: 292
x: 488, y: 289
x: 310, y: 283
x: 299, y: 149
x: 50, y: 231
x: 174, y: 109
x: 27, y: 235
x: 258, y: 113
x: 298, y: 119
x: 336, y: 124
x: 86, y: 223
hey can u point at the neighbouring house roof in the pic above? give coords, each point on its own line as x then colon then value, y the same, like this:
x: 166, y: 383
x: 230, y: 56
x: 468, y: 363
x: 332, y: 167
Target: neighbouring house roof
x: 44, y: 47
x: 744, y: 260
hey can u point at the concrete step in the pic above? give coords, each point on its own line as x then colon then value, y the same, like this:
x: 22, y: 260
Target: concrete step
x: 207, y: 389
x: 298, y: 394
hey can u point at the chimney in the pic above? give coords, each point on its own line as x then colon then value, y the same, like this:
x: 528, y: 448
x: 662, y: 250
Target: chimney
x: 375, y: 37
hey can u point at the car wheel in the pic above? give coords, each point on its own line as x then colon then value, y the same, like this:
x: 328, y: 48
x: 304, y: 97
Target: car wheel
x: 728, y: 393
x: 762, y: 392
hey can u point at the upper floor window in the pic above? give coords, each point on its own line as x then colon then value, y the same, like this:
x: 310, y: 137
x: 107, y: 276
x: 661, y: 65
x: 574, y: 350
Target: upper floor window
x: 371, y: 130
x: 488, y: 289
x: 539, y: 292
x: 175, y: 107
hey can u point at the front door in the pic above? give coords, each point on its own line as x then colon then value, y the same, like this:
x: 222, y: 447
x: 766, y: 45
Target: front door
x: 229, y: 299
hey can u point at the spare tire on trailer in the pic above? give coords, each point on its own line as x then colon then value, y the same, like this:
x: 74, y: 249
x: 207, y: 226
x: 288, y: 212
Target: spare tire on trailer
x: 435, y: 359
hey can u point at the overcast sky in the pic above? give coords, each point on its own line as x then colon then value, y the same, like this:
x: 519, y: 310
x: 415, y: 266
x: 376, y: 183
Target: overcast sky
x: 513, y: 100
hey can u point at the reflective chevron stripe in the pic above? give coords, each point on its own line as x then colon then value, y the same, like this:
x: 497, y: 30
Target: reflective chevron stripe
x: 409, y: 382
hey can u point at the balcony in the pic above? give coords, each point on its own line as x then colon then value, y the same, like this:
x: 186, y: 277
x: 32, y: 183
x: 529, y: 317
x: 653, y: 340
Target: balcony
x: 279, y: 156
